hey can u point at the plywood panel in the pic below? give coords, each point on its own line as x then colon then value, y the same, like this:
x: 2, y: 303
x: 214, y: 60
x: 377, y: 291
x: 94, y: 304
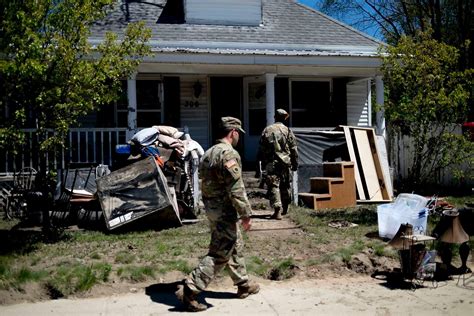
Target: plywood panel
x: 369, y: 170
x: 382, y: 150
x: 352, y: 155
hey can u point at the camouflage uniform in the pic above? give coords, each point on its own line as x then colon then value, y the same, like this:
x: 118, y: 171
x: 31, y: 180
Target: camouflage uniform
x: 225, y: 201
x: 278, y: 154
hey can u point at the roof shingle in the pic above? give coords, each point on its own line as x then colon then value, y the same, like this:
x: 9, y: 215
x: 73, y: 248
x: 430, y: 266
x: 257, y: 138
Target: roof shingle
x: 286, y: 23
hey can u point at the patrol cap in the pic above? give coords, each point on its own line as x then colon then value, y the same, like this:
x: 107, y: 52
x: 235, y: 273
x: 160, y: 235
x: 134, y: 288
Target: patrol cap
x: 281, y: 113
x: 229, y: 122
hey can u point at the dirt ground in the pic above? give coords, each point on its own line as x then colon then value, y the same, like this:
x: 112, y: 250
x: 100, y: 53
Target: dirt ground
x: 268, y: 238
x: 332, y: 296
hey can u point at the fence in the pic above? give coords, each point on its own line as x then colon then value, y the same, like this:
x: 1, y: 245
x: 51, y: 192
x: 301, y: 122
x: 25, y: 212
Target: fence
x: 402, y: 156
x: 82, y: 146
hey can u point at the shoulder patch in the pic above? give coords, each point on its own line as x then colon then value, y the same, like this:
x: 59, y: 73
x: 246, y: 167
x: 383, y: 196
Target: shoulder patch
x: 233, y: 168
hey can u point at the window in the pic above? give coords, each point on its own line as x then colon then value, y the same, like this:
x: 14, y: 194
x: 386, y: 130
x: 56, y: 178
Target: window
x: 310, y: 103
x: 149, y: 104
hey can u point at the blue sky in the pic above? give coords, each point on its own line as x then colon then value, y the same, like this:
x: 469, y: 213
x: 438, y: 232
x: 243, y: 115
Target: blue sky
x: 315, y: 4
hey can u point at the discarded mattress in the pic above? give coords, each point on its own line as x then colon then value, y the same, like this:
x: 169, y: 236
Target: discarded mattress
x: 136, y: 191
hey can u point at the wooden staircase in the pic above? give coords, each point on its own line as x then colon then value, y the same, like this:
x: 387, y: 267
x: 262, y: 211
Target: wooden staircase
x: 334, y: 190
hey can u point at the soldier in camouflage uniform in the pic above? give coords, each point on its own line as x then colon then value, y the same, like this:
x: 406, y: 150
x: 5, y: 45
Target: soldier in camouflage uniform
x: 278, y: 154
x: 225, y: 202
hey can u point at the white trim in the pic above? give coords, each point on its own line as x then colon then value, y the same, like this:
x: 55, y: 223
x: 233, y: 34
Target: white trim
x: 349, y: 50
x: 253, y: 59
x: 236, y: 69
x: 270, y: 98
x: 369, y: 102
x: 131, y: 106
x: 380, y: 116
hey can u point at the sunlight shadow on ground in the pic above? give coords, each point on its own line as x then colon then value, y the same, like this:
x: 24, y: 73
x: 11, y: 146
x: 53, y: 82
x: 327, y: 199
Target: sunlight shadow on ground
x: 164, y: 293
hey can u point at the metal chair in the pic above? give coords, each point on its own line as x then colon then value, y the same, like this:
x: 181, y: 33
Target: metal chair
x: 22, y: 184
x: 72, y: 181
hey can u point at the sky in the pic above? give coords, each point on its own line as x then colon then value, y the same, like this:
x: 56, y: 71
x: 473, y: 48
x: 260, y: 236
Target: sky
x: 315, y: 4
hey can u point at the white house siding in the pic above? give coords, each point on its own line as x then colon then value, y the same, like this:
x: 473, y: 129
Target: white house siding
x: 226, y: 12
x: 195, y: 118
x: 358, y: 103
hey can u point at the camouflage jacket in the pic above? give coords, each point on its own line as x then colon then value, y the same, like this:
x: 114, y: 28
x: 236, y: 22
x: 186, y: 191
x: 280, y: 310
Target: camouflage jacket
x: 278, y: 143
x: 222, y: 187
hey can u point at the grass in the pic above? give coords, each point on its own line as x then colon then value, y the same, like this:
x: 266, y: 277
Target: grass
x: 282, y: 269
x: 71, y: 278
x: 124, y: 257
x: 136, y: 273
x: 13, y: 277
x: 82, y: 259
x: 257, y: 266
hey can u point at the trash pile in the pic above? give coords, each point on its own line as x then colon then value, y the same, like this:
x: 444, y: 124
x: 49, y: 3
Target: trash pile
x: 154, y: 182
x: 407, y: 208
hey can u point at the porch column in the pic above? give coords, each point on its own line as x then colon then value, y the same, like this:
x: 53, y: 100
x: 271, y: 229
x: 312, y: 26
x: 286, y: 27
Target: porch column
x: 132, y: 106
x: 270, y: 98
x: 379, y: 116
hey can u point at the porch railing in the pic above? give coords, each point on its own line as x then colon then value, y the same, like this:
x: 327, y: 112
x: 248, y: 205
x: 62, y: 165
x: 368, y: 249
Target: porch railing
x: 85, y: 146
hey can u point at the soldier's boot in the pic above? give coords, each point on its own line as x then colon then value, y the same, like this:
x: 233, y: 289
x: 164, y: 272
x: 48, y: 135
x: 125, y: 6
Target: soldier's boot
x: 247, y: 289
x: 188, y: 298
x: 276, y: 215
x: 285, y: 209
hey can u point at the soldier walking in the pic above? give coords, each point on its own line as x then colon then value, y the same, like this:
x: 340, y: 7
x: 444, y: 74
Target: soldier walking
x: 278, y: 154
x: 225, y: 202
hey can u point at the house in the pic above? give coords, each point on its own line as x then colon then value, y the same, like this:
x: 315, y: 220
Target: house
x: 244, y: 58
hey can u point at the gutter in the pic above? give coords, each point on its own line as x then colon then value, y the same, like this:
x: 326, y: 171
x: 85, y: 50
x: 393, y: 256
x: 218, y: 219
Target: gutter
x: 239, y: 48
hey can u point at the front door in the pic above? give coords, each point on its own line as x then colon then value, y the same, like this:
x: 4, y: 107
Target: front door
x: 254, y: 115
x: 226, y: 100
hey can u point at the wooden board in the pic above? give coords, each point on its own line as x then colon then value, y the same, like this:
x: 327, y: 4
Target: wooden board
x: 369, y: 171
x: 369, y: 175
x: 352, y: 155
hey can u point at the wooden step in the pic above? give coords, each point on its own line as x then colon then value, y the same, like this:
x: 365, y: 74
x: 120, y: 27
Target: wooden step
x: 335, y: 189
x: 322, y: 185
x: 333, y: 169
x: 311, y: 199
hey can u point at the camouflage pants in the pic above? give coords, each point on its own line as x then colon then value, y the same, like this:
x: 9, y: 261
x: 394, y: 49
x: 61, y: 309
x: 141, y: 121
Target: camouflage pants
x: 224, y: 252
x: 278, y: 184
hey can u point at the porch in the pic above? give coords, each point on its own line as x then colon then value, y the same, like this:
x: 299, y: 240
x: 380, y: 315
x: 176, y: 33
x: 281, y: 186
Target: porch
x: 84, y: 146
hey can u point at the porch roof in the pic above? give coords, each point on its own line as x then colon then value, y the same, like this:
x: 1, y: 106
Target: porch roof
x: 288, y: 29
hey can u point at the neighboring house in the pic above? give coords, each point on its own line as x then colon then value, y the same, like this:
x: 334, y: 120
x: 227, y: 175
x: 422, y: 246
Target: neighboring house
x: 243, y: 58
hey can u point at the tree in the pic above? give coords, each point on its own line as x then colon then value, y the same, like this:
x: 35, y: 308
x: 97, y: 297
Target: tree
x: 450, y: 20
x: 50, y: 72
x: 427, y: 96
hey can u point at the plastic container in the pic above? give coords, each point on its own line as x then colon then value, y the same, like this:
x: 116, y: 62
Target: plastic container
x: 407, y: 208
x: 412, y: 201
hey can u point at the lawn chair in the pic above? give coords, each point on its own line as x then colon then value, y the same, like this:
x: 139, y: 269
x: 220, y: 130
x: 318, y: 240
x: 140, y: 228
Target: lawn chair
x: 73, y: 193
x: 22, y: 184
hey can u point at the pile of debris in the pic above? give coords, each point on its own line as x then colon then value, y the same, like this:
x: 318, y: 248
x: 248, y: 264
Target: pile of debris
x: 155, y: 182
